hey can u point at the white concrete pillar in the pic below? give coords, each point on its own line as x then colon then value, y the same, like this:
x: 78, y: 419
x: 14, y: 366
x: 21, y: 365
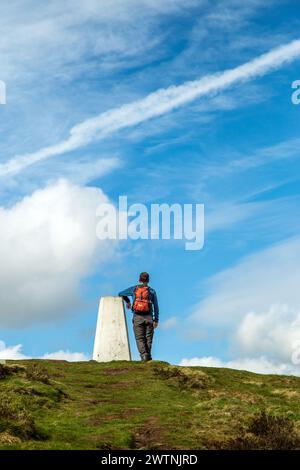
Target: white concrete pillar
x: 111, y: 338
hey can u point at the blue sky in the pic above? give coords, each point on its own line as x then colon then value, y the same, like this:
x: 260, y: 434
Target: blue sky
x: 90, y: 115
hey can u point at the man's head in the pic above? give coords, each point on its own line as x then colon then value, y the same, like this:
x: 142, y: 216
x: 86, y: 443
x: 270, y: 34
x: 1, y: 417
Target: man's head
x: 144, y: 278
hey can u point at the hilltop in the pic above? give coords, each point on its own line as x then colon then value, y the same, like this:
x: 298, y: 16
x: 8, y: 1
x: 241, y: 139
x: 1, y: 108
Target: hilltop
x: 131, y: 405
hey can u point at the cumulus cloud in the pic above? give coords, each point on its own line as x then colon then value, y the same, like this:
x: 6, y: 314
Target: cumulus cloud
x: 276, y: 332
x: 15, y: 353
x: 11, y: 352
x: 66, y: 356
x: 48, y: 244
x: 257, y: 302
x: 259, y: 365
x: 259, y: 281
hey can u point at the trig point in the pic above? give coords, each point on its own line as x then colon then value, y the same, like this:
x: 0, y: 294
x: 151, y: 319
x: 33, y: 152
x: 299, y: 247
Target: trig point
x: 111, y: 339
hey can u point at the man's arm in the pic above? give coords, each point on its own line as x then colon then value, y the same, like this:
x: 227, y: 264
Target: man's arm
x: 125, y: 293
x: 155, y: 307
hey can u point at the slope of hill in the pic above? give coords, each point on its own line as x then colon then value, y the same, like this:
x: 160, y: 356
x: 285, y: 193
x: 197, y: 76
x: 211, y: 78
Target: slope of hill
x: 130, y: 405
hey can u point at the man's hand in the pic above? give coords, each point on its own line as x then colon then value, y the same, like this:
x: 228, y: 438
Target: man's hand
x: 128, y: 305
x: 155, y: 324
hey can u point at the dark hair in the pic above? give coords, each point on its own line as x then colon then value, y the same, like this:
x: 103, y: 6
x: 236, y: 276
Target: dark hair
x: 144, y: 277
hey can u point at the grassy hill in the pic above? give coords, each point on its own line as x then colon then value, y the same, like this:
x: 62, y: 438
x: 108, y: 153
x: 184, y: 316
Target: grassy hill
x: 131, y: 405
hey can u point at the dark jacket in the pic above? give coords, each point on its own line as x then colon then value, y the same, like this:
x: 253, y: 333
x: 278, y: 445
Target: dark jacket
x: 153, y: 299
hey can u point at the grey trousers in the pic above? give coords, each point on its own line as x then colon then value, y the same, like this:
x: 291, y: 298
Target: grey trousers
x: 143, y: 332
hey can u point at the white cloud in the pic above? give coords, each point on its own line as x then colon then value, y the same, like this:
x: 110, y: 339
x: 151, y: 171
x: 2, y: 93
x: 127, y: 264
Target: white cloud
x: 276, y: 332
x: 11, y: 352
x: 156, y: 104
x: 15, y: 353
x: 259, y: 281
x: 257, y: 304
x: 66, y: 356
x: 64, y: 38
x: 48, y: 244
x: 259, y: 365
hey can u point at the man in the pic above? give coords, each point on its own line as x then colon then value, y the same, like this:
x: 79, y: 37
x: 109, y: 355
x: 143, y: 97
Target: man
x: 145, y: 314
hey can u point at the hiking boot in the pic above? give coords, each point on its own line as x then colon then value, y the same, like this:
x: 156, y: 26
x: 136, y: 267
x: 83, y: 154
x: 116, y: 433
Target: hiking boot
x: 146, y: 357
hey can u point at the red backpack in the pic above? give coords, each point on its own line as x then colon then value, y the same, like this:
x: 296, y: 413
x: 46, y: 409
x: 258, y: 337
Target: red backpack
x: 142, y: 299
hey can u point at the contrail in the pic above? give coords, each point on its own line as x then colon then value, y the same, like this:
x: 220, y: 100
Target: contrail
x: 156, y: 104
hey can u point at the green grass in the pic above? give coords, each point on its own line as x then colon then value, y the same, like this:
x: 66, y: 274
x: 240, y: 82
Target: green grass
x: 132, y: 405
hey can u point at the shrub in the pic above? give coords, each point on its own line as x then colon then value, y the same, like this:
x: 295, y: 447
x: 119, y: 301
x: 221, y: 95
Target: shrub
x: 4, y: 372
x: 15, y: 419
x: 183, y: 377
x: 269, y: 432
x: 38, y: 373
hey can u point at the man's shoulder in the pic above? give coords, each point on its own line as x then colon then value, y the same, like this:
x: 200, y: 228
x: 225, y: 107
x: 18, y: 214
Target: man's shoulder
x: 153, y: 291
